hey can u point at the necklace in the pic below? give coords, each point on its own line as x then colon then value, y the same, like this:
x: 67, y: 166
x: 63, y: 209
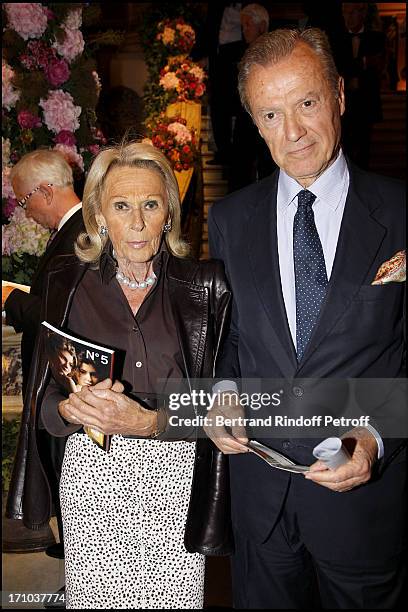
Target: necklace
x: 134, y: 284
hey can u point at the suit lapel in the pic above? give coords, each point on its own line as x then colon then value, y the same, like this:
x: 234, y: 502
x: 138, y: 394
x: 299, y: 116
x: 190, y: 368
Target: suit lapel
x: 264, y: 262
x: 359, y: 241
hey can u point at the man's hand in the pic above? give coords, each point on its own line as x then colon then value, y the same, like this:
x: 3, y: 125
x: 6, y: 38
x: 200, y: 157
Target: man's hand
x: 105, y: 408
x: 363, y: 449
x: 230, y: 409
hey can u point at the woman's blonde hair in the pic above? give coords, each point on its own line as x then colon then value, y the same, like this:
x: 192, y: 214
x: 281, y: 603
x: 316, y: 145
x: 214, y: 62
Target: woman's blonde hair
x: 90, y: 244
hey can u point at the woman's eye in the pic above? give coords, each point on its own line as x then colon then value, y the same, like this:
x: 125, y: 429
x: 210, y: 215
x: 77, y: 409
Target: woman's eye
x: 151, y: 204
x: 120, y: 205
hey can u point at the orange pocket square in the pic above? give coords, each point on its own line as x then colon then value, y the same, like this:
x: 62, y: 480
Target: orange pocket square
x: 392, y: 271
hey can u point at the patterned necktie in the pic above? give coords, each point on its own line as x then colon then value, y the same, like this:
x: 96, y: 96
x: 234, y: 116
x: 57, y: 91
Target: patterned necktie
x: 51, y: 238
x: 310, y: 270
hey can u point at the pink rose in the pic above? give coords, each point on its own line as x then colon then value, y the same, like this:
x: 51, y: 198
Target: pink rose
x: 65, y: 137
x: 27, y: 120
x: 57, y: 72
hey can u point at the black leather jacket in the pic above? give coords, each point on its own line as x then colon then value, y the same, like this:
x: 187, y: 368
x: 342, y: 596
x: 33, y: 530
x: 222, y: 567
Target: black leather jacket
x: 200, y: 301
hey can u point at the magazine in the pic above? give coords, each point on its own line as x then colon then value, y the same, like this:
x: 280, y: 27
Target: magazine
x: 75, y: 363
x: 275, y: 459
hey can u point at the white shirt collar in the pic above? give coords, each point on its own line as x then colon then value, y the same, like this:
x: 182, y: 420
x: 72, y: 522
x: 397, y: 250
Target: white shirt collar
x: 328, y: 187
x: 68, y: 215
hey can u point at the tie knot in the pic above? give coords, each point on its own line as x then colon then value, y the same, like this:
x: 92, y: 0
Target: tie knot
x: 306, y: 198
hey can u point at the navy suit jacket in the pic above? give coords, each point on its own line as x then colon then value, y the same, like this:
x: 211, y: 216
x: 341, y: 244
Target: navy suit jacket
x: 359, y: 333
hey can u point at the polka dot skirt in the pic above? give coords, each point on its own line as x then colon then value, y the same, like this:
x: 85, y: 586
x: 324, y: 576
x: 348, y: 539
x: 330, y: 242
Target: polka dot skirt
x: 124, y: 515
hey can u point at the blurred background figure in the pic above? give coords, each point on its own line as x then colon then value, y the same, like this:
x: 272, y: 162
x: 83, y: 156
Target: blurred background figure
x: 220, y: 44
x: 360, y: 58
x: 254, y: 22
x: 251, y: 159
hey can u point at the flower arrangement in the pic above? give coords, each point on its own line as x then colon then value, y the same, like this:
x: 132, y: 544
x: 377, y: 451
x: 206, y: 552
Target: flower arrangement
x: 183, y: 79
x: 166, y: 41
x: 172, y: 136
x: 50, y: 91
x: 176, y: 35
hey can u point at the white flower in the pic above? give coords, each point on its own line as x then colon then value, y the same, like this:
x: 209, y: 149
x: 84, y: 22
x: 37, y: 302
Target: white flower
x: 74, y: 19
x: 197, y: 72
x: 169, y: 81
x: 23, y: 235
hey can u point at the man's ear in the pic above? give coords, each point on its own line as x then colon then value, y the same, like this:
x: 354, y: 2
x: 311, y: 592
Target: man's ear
x: 47, y: 192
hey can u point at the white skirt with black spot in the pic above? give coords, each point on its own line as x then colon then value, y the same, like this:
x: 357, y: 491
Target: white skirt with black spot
x: 124, y: 516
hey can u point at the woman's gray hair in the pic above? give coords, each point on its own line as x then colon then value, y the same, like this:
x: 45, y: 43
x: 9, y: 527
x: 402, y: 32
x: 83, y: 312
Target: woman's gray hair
x: 90, y: 244
x: 274, y: 46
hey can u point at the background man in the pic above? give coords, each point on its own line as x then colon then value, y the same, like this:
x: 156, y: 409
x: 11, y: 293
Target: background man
x: 251, y: 160
x: 360, y: 58
x: 301, y: 249
x: 43, y: 185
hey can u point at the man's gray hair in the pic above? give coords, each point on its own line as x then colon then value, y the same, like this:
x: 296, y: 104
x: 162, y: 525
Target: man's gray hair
x: 274, y: 46
x: 43, y: 166
x: 257, y: 13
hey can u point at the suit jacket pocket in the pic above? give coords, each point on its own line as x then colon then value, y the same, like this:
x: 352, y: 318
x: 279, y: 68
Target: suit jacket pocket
x: 368, y: 293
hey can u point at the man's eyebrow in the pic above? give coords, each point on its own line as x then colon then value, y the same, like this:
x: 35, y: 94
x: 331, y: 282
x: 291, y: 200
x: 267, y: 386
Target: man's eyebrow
x: 271, y: 108
x: 309, y: 94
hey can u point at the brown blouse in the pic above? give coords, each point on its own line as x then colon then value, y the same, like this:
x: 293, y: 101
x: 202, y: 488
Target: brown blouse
x: 146, y: 344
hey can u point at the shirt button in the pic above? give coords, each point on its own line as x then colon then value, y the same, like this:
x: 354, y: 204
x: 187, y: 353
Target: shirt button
x: 297, y: 391
x: 286, y: 444
x: 135, y: 328
x: 139, y: 364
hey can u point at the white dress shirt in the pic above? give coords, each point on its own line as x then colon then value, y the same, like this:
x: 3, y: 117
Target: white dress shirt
x: 68, y: 215
x: 330, y: 190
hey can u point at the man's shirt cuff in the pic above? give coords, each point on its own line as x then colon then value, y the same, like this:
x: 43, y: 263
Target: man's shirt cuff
x: 225, y: 385
x: 378, y: 438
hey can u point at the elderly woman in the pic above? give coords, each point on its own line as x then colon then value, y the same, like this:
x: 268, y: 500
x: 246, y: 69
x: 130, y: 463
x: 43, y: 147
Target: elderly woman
x: 131, y: 514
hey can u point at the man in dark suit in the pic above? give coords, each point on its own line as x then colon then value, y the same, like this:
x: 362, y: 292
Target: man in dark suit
x: 301, y: 249
x: 43, y: 184
x: 359, y: 53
